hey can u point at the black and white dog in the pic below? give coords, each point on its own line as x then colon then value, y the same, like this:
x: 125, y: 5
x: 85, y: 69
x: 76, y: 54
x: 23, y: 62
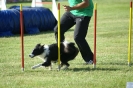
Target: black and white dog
x: 49, y: 53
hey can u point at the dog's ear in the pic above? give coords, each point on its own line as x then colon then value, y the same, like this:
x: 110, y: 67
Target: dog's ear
x: 39, y: 44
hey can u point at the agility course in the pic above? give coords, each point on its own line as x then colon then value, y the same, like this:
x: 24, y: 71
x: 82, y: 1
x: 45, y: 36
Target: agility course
x: 22, y: 43
x: 112, y: 70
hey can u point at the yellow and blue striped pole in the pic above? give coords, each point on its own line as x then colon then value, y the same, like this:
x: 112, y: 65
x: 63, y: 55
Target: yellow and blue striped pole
x: 130, y: 35
x: 58, y: 36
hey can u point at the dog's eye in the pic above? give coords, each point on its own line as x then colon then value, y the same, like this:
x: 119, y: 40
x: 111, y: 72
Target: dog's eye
x: 35, y: 50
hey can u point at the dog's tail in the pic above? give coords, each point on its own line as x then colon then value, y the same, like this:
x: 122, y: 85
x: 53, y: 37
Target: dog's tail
x: 71, y: 44
x: 74, y: 52
x: 71, y: 47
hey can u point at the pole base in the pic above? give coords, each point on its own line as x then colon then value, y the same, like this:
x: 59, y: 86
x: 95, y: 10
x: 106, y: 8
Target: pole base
x: 22, y: 69
x: 94, y: 65
x: 129, y: 64
x: 59, y: 67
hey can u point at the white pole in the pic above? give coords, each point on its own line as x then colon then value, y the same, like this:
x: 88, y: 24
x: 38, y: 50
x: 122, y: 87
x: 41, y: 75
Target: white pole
x: 3, y: 4
x: 36, y: 3
x: 54, y: 9
x: 33, y: 3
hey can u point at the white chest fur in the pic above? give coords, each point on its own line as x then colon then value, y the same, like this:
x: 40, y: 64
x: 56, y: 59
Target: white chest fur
x: 46, y: 52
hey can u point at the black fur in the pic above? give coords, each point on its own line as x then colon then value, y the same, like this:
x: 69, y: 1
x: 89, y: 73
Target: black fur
x: 68, y: 52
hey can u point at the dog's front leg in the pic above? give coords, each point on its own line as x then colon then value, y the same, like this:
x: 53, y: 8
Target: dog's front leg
x: 36, y: 66
x: 47, y: 63
x: 50, y: 67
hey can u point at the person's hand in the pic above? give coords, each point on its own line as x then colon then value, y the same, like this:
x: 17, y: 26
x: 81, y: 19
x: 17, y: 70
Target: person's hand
x: 67, y: 8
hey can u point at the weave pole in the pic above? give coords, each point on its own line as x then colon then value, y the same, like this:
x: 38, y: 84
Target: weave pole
x: 22, y: 40
x: 130, y: 35
x: 58, y: 36
x: 95, y: 27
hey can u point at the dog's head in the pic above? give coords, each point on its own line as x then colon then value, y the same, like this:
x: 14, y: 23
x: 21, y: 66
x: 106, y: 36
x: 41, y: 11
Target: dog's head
x: 39, y: 49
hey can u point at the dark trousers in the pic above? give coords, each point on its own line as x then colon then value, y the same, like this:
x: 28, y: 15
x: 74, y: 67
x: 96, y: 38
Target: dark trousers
x: 81, y: 27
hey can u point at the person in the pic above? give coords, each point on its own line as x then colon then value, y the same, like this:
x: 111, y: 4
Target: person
x: 78, y: 13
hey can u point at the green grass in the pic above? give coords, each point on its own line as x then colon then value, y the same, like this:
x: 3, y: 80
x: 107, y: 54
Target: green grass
x: 111, y: 70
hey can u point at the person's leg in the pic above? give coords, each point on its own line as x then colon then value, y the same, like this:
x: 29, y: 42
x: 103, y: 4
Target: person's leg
x: 66, y: 23
x: 80, y: 33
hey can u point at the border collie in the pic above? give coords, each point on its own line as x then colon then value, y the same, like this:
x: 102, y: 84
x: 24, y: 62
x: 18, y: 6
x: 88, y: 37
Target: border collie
x: 49, y: 53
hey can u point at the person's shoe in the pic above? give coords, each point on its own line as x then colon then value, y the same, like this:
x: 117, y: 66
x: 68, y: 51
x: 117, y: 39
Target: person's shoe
x: 90, y: 62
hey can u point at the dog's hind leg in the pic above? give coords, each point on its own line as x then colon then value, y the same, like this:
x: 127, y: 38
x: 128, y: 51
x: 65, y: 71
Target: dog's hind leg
x: 66, y: 66
x: 61, y: 65
x: 36, y: 66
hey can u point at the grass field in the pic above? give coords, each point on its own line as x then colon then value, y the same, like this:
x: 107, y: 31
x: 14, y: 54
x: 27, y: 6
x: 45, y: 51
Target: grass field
x: 111, y: 70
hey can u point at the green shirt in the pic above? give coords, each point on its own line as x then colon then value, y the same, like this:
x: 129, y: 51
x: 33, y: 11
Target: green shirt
x: 88, y: 11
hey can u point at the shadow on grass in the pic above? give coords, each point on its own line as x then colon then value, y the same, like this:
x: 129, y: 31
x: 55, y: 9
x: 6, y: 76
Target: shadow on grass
x: 87, y: 69
x: 92, y: 69
x: 113, y: 63
x: 106, y: 69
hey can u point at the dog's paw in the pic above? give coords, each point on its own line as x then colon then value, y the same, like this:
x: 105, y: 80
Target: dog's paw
x: 33, y: 67
x: 36, y: 66
x: 50, y: 68
x: 65, y: 67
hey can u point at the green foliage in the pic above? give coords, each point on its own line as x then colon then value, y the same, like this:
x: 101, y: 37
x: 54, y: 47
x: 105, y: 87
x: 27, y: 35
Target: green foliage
x: 111, y: 70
